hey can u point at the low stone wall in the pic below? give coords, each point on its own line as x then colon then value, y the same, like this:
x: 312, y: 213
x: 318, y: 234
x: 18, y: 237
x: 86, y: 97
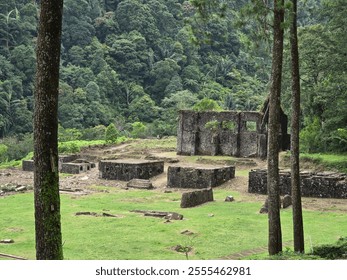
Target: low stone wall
x: 194, y: 198
x: 313, y: 184
x: 28, y: 165
x: 75, y: 167
x: 198, y: 177
x: 126, y: 170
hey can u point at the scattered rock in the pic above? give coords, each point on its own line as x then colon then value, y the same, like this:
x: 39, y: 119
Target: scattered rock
x: 160, y: 214
x: 140, y: 184
x: 263, y: 210
x: 7, y: 241
x: 21, y: 188
x: 182, y: 249
x: 84, y: 178
x: 286, y: 201
x: 187, y: 232
x: 109, y: 215
x: 211, y: 215
x: 86, y: 213
x: 167, y: 191
x: 229, y: 198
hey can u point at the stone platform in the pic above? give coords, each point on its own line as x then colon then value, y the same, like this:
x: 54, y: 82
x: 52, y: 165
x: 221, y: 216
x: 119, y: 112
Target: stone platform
x: 313, y: 184
x: 127, y: 169
x: 198, y: 177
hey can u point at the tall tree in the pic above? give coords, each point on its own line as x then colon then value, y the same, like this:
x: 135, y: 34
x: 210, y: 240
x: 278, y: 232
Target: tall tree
x: 46, y: 176
x: 275, y: 233
x: 295, y: 122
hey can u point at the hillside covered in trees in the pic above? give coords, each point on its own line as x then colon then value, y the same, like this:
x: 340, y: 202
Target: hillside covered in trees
x: 134, y: 63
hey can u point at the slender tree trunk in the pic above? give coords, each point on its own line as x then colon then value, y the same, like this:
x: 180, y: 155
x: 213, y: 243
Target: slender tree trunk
x: 295, y: 166
x: 275, y: 234
x: 46, y: 176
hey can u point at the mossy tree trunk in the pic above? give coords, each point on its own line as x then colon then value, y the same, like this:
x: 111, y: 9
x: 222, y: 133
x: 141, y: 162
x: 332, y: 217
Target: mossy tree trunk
x: 46, y: 176
x: 295, y: 166
x: 275, y: 233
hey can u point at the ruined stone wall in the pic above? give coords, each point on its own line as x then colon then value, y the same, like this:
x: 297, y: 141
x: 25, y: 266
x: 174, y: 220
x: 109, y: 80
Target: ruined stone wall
x: 313, y: 184
x: 198, y: 178
x: 125, y: 170
x: 194, y: 198
x: 221, y: 133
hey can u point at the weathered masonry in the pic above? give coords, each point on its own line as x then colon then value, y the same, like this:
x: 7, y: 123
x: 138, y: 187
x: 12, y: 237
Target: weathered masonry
x: 127, y: 169
x: 313, y: 184
x: 198, y: 177
x: 194, y: 198
x: 28, y: 165
x: 240, y: 134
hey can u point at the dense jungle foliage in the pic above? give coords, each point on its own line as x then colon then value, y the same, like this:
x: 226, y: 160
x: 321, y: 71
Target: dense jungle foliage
x: 135, y: 63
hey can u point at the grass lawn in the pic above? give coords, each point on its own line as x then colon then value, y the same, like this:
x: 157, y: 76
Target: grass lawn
x: 220, y: 228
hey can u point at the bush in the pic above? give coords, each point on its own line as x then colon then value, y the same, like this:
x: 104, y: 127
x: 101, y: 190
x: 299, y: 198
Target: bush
x: 111, y: 134
x: 3, y: 152
x: 207, y: 104
x: 138, y: 130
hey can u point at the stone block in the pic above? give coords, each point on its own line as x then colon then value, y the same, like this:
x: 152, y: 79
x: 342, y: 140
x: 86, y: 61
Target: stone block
x: 199, y: 177
x: 75, y: 168
x: 125, y: 170
x: 194, y: 198
x: 140, y: 184
x: 28, y: 165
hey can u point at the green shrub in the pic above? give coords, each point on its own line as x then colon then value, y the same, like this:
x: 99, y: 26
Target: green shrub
x: 138, y: 130
x: 111, y: 134
x: 207, y: 104
x: 3, y: 152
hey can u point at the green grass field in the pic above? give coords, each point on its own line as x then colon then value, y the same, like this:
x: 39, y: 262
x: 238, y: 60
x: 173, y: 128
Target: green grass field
x: 233, y: 227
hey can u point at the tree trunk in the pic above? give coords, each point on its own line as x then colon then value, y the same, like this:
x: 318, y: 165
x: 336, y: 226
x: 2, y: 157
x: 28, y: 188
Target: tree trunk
x: 46, y: 176
x: 275, y: 234
x: 295, y: 166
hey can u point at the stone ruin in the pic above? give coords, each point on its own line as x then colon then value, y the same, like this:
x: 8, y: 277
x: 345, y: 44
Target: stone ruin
x: 194, y: 198
x: 313, y: 184
x: 198, y: 177
x: 239, y: 134
x: 66, y: 164
x: 127, y: 169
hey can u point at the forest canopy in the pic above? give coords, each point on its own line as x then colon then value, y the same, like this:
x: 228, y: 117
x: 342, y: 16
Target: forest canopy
x: 135, y: 63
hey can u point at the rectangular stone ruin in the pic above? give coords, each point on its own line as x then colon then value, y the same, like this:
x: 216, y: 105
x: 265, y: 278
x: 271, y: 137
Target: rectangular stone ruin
x: 231, y: 133
x: 194, y: 198
x: 127, y: 169
x: 313, y: 184
x: 75, y: 167
x: 28, y: 165
x: 198, y: 177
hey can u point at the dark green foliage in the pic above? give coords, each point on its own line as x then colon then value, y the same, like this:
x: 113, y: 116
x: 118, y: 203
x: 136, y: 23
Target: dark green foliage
x: 332, y: 251
x: 118, y: 57
x: 207, y: 104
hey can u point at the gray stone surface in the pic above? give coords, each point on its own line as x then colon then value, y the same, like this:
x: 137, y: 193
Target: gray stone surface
x: 140, y: 184
x: 28, y: 165
x: 75, y: 168
x: 241, y: 134
x: 194, y: 198
x: 125, y: 170
x: 313, y: 184
x: 286, y: 201
x: 198, y: 177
